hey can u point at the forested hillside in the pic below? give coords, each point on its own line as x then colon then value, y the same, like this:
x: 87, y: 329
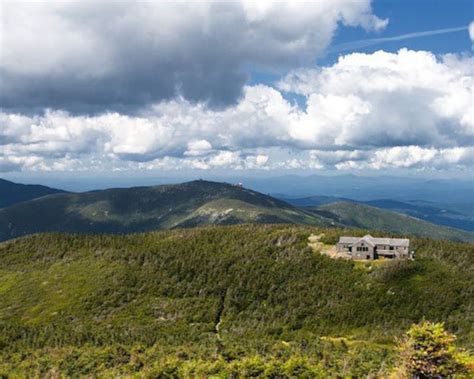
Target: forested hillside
x: 138, y: 209
x: 191, y: 204
x: 250, y: 299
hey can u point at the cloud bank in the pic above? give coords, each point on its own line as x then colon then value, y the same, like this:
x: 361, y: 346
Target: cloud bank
x: 89, y: 57
x: 409, y: 109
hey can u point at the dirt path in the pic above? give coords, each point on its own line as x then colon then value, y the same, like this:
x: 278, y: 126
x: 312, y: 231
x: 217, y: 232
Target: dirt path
x: 220, y: 349
x: 314, y: 241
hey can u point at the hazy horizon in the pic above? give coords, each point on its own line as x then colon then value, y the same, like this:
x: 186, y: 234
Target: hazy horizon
x: 294, y: 185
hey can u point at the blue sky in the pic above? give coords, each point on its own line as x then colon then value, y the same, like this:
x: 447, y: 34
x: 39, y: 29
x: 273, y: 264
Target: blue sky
x: 408, y: 16
x: 209, y: 87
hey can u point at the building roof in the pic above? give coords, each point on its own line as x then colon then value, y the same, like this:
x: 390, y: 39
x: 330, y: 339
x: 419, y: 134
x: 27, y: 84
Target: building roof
x: 403, y: 242
x: 348, y: 239
x: 369, y: 240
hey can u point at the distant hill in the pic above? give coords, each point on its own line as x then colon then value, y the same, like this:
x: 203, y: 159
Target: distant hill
x: 364, y: 188
x: 138, y: 209
x: 368, y: 217
x: 197, y: 203
x: 458, y: 215
x: 312, y: 201
x: 12, y: 193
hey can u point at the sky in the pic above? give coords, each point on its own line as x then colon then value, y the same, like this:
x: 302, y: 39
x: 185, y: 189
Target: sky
x: 98, y: 88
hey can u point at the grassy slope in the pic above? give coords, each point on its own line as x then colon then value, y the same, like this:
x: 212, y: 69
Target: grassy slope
x: 148, y: 208
x: 367, y: 217
x: 83, y: 294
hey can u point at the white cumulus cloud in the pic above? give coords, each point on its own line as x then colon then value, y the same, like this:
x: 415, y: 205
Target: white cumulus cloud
x: 386, y: 99
x: 408, y: 109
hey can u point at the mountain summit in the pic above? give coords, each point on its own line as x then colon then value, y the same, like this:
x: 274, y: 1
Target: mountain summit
x: 196, y: 203
x: 137, y: 209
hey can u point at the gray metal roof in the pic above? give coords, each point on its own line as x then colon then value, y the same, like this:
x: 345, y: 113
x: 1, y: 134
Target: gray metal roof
x: 402, y: 242
x: 369, y: 240
x: 348, y: 239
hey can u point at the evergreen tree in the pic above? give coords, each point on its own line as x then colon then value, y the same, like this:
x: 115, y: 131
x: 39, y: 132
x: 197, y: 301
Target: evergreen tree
x: 428, y: 351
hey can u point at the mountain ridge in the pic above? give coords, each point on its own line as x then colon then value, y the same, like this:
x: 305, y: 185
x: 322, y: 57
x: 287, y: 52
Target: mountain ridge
x: 12, y: 193
x: 191, y: 204
x: 137, y: 209
x: 363, y: 216
x: 458, y: 216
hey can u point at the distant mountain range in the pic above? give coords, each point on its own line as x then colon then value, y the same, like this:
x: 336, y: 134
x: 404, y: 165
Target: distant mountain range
x: 11, y: 193
x: 198, y: 203
x: 126, y: 210
x: 457, y: 215
x: 365, y: 188
x: 362, y: 216
x: 357, y: 187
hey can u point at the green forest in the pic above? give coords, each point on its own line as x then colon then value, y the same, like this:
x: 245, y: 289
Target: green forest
x: 222, y: 302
